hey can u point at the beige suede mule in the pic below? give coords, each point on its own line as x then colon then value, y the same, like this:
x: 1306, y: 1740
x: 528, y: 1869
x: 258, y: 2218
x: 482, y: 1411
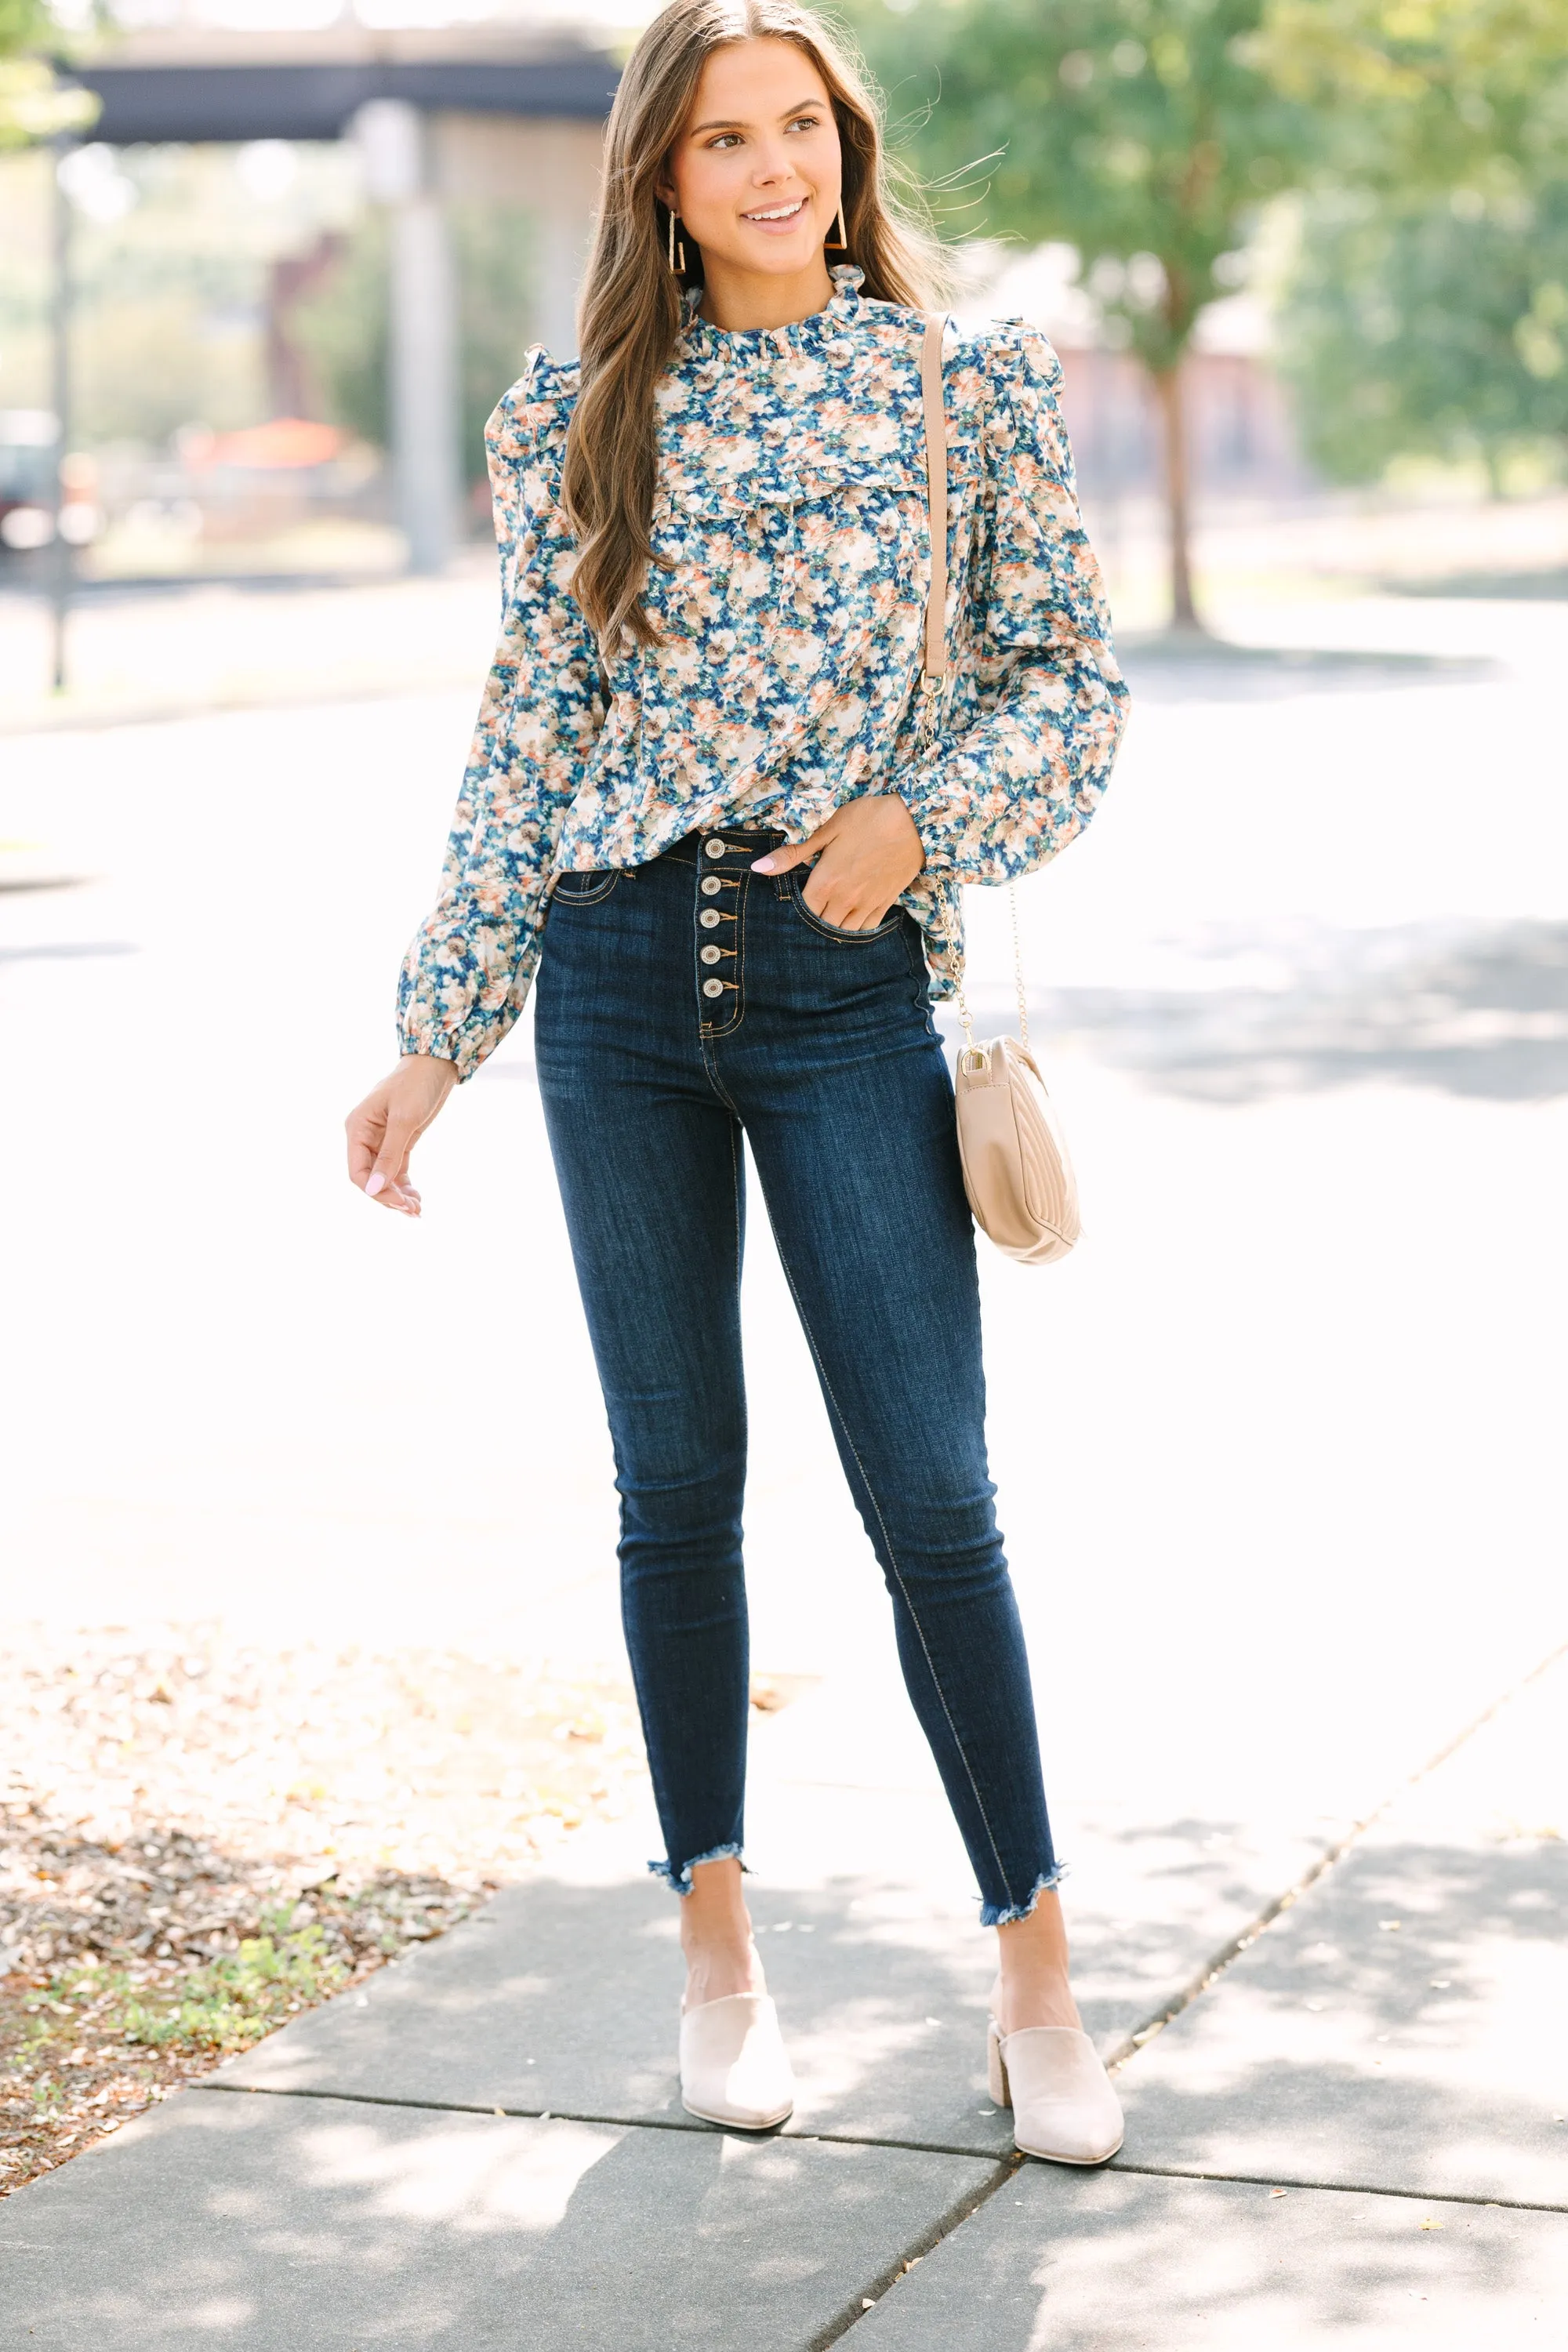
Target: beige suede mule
x: 733, y: 2066
x: 1063, y: 2104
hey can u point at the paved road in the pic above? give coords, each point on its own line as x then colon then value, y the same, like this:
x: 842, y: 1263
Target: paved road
x: 1306, y: 981
x: 1275, y: 1448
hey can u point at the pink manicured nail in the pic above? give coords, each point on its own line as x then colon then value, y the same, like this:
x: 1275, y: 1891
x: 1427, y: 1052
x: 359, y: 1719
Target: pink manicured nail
x: 764, y: 866
x: 374, y: 1183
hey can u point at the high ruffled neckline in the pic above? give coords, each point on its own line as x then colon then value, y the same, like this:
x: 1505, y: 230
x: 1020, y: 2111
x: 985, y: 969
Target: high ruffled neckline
x: 700, y: 339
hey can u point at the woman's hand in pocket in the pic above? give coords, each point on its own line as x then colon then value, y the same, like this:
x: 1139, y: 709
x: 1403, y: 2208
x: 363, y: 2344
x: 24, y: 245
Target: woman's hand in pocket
x: 867, y: 852
x: 384, y: 1129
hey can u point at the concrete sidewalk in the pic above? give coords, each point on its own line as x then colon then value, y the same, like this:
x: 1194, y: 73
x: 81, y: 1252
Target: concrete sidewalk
x: 1356, y: 2131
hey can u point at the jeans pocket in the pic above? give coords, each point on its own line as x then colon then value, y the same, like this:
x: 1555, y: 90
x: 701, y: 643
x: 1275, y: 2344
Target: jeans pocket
x: 585, y: 889
x: 798, y: 878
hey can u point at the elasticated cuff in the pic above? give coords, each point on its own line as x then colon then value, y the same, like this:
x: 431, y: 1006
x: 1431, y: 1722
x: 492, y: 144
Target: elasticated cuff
x: 444, y: 1045
x: 923, y: 793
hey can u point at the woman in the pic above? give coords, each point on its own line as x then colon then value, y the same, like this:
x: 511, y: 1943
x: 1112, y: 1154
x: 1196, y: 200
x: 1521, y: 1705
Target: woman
x: 701, y: 776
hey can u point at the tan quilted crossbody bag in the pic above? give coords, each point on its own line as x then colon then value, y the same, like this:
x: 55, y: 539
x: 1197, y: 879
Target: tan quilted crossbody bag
x: 1016, y: 1171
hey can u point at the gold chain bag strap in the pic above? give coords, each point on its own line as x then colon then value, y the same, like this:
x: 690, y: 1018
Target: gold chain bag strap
x: 1016, y: 1171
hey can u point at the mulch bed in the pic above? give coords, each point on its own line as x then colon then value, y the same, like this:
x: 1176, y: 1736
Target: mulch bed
x: 199, y: 1840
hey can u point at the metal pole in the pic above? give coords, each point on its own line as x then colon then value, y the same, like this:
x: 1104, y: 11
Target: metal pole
x: 424, y: 369
x: 422, y: 341
x: 62, y: 568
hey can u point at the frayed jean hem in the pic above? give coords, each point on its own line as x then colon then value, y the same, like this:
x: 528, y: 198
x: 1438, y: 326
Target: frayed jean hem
x: 996, y: 1915
x: 682, y: 1884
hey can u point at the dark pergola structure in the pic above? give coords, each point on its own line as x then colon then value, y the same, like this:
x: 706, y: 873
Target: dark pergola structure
x: 300, y: 101
x: 195, y: 86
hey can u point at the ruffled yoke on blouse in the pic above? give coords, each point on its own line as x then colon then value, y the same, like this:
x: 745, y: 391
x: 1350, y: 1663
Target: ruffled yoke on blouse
x: 792, y: 558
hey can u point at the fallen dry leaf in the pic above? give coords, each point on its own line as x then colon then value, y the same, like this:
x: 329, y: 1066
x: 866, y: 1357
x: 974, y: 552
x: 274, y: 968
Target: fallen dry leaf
x: 198, y: 1840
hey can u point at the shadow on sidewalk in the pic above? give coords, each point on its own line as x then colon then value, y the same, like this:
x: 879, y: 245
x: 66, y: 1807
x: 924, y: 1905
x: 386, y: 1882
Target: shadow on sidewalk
x: 1479, y: 1010
x: 275, y: 2223
x: 1212, y: 669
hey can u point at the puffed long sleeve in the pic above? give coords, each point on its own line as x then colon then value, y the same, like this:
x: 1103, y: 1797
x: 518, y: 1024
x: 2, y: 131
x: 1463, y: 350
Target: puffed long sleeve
x: 466, y: 976
x: 1022, y: 771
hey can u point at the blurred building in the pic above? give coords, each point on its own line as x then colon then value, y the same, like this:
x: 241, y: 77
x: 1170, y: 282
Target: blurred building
x: 495, y: 113
x: 479, y: 148
x: 1241, y: 433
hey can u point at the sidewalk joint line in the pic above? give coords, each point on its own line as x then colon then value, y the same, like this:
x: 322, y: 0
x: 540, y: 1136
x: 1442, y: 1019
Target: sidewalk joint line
x: 620, y: 2123
x: 1004, y: 2168
x: 911, y: 2147
x: 933, y: 2236
x: 456, y: 2108
x: 1214, y: 1967
x: 1338, y: 2187
x: 1008, y: 2167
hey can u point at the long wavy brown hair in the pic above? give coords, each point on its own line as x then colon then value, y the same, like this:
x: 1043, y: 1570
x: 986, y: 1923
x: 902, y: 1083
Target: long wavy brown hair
x: 630, y: 312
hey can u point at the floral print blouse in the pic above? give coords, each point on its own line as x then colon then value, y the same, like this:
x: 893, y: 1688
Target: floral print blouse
x: 790, y: 513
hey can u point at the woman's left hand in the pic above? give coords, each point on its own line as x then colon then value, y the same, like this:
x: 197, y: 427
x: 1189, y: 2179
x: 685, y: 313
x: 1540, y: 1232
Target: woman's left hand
x: 867, y: 852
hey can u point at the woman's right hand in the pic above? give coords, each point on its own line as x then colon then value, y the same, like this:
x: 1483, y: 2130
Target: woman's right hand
x: 384, y: 1129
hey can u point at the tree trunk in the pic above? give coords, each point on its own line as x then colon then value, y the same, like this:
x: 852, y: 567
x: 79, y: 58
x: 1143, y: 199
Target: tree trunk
x: 1168, y: 389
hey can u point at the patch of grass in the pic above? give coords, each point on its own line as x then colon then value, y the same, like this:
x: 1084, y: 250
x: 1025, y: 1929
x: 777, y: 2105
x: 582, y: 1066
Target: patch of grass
x: 169, y: 1892
x: 226, y: 2005
x: 234, y: 2000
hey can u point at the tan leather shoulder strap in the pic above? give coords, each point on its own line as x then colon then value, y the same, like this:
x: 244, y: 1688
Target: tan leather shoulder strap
x: 935, y: 412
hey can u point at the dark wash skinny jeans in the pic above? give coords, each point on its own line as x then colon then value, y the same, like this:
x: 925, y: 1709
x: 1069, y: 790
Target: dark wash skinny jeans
x: 679, y: 1003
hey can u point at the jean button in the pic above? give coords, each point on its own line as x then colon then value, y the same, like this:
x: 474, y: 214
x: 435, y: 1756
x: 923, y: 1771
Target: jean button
x: 711, y: 955
x: 716, y: 848
x: 711, y: 885
x: 712, y: 988
x: 709, y: 919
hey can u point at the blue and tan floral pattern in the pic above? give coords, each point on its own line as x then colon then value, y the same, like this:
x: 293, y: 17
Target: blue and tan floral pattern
x: 790, y: 528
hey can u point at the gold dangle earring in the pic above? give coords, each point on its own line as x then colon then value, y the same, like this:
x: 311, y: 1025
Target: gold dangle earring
x: 839, y: 244
x: 678, y: 266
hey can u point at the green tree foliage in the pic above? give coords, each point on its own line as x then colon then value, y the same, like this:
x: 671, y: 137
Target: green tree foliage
x: 494, y: 246
x: 1430, y: 310
x: 22, y: 24
x: 342, y: 327
x: 32, y: 105
x: 1433, y: 327
x: 1145, y: 132
x: 1430, y: 94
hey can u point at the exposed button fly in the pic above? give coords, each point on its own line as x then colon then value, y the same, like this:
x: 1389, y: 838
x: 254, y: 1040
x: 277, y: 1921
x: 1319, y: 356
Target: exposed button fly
x: 712, y: 988
x: 711, y: 955
x: 716, y: 848
x: 710, y: 918
x: 711, y: 885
